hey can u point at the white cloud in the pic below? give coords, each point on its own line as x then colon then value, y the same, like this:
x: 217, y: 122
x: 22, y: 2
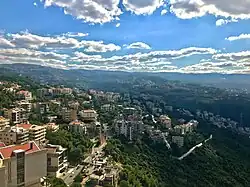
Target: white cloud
x: 239, y: 37
x: 93, y: 11
x: 64, y: 41
x: 138, y: 45
x: 117, y: 25
x: 5, y: 43
x: 145, y: 7
x: 99, y: 46
x: 75, y: 34
x: 163, y: 12
x: 221, y: 22
x: 240, y: 57
x: 35, y: 4
x: 187, y: 9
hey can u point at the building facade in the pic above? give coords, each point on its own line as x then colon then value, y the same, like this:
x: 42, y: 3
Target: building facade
x: 17, y: 165
x: 57, y: 160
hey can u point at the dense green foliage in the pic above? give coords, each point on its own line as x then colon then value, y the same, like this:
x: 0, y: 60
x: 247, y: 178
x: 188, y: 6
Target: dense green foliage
x: 56, y: 182
x: 76, y: 144
x: 224, y: 161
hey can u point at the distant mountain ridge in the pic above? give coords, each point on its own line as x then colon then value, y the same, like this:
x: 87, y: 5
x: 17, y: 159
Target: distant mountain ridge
x: 88, y: 77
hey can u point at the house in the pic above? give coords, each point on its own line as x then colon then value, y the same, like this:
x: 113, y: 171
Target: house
x: 166, y: 121
x: 179, y: 140
x: 22, y: 165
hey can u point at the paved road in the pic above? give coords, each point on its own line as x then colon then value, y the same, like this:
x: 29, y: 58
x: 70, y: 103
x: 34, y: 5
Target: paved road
x: 71, y: 174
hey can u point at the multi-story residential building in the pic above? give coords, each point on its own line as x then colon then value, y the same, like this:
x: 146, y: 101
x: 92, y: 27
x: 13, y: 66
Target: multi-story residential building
x: 23, y: 94
x: 88, y: 115
x: 52, y: 127
x: 56, y: 159
x: 77, y: 127
x: 15, y: 115
x: 130, y: 127
x: 25, y: 105
x: 14, y: 135
x: 166, y: 121
x: 74, y: 105
x: 179, y: 140
x: 68, y: 114
x: 22, y: 165
x: 3, y: 122
x: 185, y: 128
x: 42, y: 108
x: 36, y: 133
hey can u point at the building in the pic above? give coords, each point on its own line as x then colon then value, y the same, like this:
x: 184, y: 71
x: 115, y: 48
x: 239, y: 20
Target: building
x: 3, y: 122
x: 14, y: 135
x: 166, y: 121
x: 77, y: 127
x: 25, y: 105
x: 178, y: 140
x: 130, y: 127
x: 186, y: 128
x: 26, y: 95
x: 107, y: 107
x: 88, y: 115
x: 36, y: 133
x: 52, y: 127
x: 22, y: 165
x: 42, y: 108
x: 68, y: 114
x: 15, y: 115
x: 56, y: 159
x: 74, y: 105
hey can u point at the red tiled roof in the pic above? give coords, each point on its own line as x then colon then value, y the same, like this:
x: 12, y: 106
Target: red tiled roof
x: 2, y: 144
x: 25, y: 126
x: 6, y: 152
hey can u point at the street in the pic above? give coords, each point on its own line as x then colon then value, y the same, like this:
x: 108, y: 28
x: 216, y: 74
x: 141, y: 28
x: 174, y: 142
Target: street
x: 71, y: 174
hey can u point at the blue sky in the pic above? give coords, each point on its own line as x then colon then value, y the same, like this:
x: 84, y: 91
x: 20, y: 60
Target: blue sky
x: 129, y: 35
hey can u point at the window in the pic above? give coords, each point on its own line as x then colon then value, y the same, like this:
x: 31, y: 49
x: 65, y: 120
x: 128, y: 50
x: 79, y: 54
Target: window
x: 49, y: 161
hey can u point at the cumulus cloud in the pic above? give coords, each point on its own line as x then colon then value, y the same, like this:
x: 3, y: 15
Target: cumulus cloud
x: 138, y: 45
x: 5, y: 43
x: 139, y: 7
x: 221, y: 22
x: 117, y: 25
x: 187, y: 9
x: 240, y: 57
x: 64, y: 41
x: 99, y: 46
x: 35, y: 4
x: 239, y: 37
x: 93, y: 11
x: 103, y: 11
x: 163, y: 12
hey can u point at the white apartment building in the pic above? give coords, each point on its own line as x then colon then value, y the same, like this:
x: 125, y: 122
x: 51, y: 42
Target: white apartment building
x: 22, y: 165
x: 57, y: 160
x: 88, y: 115
x: 77, y: 127
x: 129, y: 128
x: 36, y: 133
x: 14, y: 135
x: 25, y: 105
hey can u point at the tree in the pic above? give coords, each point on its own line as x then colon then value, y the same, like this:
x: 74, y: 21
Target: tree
x: 124, y: 183
x: 56, y: 182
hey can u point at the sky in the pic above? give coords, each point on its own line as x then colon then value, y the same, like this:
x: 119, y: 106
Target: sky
x: 186, y: 36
